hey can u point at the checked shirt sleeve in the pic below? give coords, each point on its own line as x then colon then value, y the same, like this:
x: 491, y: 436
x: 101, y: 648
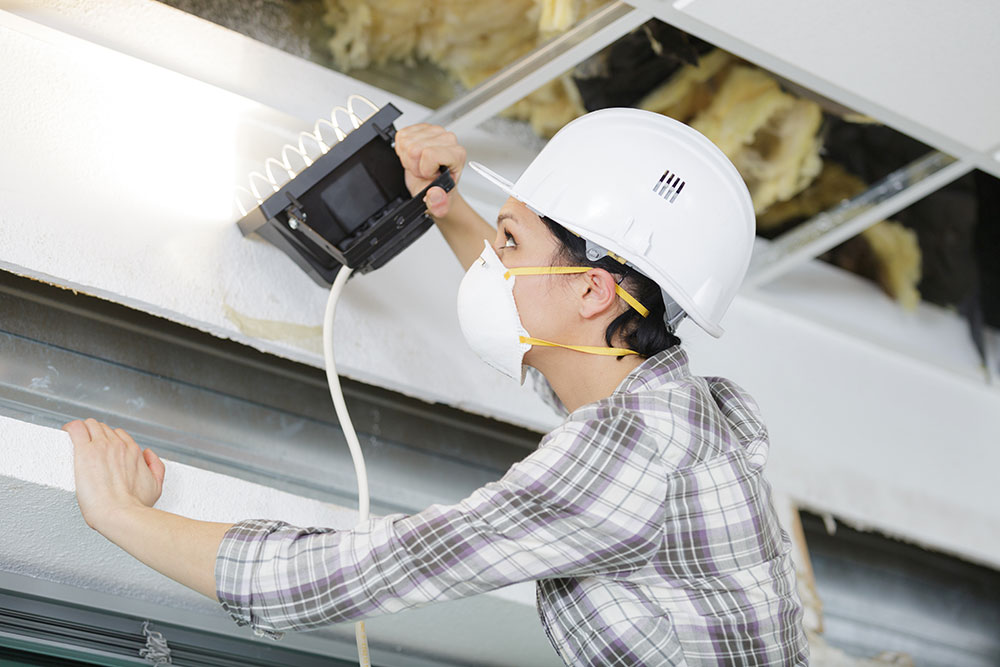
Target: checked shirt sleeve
x: 589, y: 500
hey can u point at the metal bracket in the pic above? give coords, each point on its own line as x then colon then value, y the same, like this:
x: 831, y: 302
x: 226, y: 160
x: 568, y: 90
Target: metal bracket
x: 156, y: 651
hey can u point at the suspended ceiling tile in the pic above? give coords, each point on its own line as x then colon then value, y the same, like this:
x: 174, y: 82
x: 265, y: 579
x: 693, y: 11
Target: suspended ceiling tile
x: 929, y: 68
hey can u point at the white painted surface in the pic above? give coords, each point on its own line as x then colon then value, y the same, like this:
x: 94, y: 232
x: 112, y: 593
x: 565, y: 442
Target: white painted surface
x: 43, y: 456
x: 46, y: 538
x: 117, y: 180
x: 931, y: 61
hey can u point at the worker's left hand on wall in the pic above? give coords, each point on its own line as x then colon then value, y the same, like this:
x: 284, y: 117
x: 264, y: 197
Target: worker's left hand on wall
x: 111, y: 470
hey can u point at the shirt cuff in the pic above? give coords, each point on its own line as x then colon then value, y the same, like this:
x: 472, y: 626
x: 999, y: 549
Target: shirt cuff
x: 238, y: 557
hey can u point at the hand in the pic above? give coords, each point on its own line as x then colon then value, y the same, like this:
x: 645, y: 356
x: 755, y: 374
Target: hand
x: 422, y: 148
x: 111, y: 470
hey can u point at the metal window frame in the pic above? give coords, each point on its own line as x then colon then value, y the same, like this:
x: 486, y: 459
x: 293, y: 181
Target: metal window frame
x: 90, y: 633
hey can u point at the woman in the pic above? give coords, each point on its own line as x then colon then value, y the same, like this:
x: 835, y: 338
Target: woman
x: 644, y: 517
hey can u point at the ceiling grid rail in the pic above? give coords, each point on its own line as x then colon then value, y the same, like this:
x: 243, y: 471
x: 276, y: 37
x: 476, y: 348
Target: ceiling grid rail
x: 539, y: 66
x: 883, y: 199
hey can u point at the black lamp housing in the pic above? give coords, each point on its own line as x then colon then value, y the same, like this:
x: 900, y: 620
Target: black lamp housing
x: 349, y: 208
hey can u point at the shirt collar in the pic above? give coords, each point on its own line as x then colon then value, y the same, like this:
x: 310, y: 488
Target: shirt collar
x: 663, y: 367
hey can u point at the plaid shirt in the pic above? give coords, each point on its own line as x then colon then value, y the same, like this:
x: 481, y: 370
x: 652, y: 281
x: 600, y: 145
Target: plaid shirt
x: 645, y: 518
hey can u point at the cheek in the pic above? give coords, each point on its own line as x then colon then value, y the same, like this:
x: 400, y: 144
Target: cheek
x: 539, y: 306
x: 526, y: 298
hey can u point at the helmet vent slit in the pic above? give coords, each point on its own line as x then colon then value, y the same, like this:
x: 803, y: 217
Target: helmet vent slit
x: 669, y: 186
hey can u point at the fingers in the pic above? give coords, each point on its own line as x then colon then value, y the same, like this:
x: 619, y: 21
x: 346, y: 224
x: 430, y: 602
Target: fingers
x: 94, y: 428
x: 101, y: 430
x: 431, y: 157
x: 422, y: 148
x: 422, y: 134
x: 437, y: 202
x: 125, y: 437
x: 109, y: 432
x: 156, y: 466
x: 89, y: 430
x: 78, y: 432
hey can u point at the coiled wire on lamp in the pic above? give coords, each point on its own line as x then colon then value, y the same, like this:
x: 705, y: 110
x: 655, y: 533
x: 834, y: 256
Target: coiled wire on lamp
x: 307, y: 140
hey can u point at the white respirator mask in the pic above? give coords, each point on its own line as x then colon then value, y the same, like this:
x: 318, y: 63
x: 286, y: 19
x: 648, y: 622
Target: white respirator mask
x: 491, y: 324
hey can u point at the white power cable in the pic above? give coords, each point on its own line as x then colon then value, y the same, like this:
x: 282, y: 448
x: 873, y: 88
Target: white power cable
x: 337, y: 394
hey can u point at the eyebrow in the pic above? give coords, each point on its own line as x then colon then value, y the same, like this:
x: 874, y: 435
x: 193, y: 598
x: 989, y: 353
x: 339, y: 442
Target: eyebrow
x: 505, y: 216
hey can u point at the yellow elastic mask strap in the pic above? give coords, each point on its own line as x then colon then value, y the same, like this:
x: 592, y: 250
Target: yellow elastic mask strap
x: 631, y: 300
x: 543, y: 270
x: 606, y: 351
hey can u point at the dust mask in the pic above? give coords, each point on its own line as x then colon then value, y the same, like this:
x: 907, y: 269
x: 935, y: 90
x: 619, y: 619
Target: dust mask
x: 489, y: 319
x: 488, y: 315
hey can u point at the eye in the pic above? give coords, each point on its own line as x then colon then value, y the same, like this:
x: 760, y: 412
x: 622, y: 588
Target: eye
x: 510, y: 241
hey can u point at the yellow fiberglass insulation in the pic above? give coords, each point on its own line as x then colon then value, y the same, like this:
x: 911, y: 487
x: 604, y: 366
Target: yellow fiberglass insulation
x: 746, y: 99
x: 833, y: 185
x: 783, y: 157
x: 887, y: 252
x: 470, y: 39
x: 691, y: 89
x: 898, y: 266
x: 770, y: 135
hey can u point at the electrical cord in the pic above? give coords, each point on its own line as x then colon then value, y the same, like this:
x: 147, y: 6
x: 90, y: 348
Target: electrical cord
x: 312, y: 145
x: 337, y: 394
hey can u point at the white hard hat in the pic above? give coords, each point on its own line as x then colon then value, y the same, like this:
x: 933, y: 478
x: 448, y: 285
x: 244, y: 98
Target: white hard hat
x: 656, y: 193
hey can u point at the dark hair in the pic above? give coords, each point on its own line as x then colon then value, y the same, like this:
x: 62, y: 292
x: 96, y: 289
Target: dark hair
x: 646, y: 335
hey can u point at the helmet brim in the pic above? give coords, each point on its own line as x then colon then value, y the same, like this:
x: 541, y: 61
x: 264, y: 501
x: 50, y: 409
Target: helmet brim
x: 493, y: 177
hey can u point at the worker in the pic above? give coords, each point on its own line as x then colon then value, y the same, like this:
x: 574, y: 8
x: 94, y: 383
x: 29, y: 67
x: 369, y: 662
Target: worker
x: 645, y: 517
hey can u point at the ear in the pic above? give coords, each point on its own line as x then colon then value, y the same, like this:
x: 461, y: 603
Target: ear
x: 597, y: 294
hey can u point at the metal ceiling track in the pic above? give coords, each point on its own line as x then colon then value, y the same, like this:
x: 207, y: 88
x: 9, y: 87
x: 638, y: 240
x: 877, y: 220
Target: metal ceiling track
x: 228, y: 408
x: 539, y: 66
x: 78, y: 634
x: 885, y: 198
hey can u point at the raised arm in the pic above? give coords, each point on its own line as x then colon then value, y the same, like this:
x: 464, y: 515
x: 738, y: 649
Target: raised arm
x: 422, y: 148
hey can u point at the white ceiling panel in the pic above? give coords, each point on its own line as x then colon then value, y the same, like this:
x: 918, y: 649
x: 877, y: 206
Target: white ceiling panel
x: 927, y: 68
